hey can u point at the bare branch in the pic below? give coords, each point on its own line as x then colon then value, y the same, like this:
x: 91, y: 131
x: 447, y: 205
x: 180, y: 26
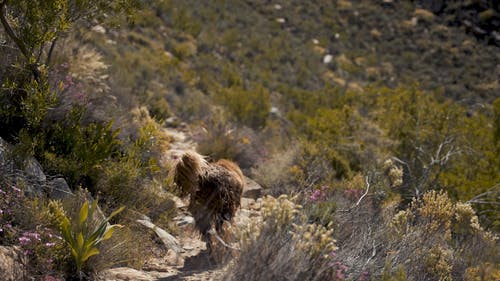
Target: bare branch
x: 51, y: 50
x: 360, y: 198
x: 484, y: 202
x: 366, y: 192
x: 494, y: 190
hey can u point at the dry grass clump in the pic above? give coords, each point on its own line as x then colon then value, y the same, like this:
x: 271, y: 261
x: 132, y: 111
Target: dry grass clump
x: 283, y: 246
x: 302, y: 166
x: 434, y: 238
x: 438, y: 239
x: 275, y: 173
x: 220, y: 139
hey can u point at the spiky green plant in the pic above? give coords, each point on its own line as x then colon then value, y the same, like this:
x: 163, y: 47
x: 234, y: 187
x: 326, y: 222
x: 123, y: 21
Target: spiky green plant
x: 85, y: 233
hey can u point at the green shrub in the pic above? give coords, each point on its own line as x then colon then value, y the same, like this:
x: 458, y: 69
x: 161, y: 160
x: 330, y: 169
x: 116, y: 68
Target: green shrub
x: 393, y: 275
x: 76, y: 150
x: 24, y: 106
x: 249, y: 107
x: 159, y: 109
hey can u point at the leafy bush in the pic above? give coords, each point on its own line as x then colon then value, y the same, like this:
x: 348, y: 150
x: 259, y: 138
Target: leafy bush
x: 249, y: 107
x: 24, y: 106
x: 76, y: 150
x: 160, y: 109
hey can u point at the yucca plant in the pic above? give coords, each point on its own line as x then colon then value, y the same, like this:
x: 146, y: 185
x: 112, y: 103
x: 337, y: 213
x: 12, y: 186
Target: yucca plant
x: 85, y: 233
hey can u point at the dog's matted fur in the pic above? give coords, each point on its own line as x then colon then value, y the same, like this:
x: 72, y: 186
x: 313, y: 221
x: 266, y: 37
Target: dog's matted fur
x: 215, y: 190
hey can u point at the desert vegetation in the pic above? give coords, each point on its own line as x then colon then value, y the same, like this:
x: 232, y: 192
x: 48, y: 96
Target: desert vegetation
x: 373, y: 128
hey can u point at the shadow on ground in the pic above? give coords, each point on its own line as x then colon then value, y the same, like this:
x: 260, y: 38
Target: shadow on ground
x: 199, y: 263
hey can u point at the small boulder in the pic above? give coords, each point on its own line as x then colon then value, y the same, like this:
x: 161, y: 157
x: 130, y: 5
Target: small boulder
x: 327, y: 59
x: 99, y: 29
x: 124, y: 274
x: 59, y: 189
x: 11, y: 264
x: 424, y: 15
x: 252, y: 189
x: 34, y: 170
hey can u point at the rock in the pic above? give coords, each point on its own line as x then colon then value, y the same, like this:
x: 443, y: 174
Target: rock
x: 11, y: 264
x: 375, y: 33
x: 319, y: 50
x: 172, y: 258
x: 171, y: 121
x: 327, y: 59
x: 34, y: 170
x: 99, y: 29
x: 179, y: 203
x: 275, y: 111
x: 170, y: 241
x: 496, y: 37
x: 435, y: 6
x: 247, y: 203
x: 424, y: 14
x: 59, y: 189
x: 124, y: 274
x: 184, y: 220
x: 4, y: 148
x: 252, y: 189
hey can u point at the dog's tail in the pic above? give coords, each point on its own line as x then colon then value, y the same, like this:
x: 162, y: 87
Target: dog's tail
x: 187, y: 171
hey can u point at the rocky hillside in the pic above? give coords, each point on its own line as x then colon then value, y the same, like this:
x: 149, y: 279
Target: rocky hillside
x: 370, y: 130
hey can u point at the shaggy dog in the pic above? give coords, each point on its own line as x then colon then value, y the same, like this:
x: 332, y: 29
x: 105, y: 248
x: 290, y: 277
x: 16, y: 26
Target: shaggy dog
x: 215, y: 190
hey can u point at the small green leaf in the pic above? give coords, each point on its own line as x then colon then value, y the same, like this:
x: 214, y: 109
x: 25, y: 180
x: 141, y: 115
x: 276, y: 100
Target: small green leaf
x: 93, y: 208
x: 110, y: 231
x: 66, y: 231
x: 80, y: 242
x: 84, y: 211
x: 115, y: 213
x: 74, y: 254
x: 92, y: 252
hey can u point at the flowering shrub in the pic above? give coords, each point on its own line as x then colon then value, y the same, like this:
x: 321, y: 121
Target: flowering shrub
x: 44, y: 250
x: 11, y: 198
x: 24, y: 222
x: 319, y: 206
x: 317, y: 195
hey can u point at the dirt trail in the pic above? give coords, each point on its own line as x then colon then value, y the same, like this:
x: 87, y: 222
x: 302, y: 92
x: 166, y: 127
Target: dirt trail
x: 193, y: 263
